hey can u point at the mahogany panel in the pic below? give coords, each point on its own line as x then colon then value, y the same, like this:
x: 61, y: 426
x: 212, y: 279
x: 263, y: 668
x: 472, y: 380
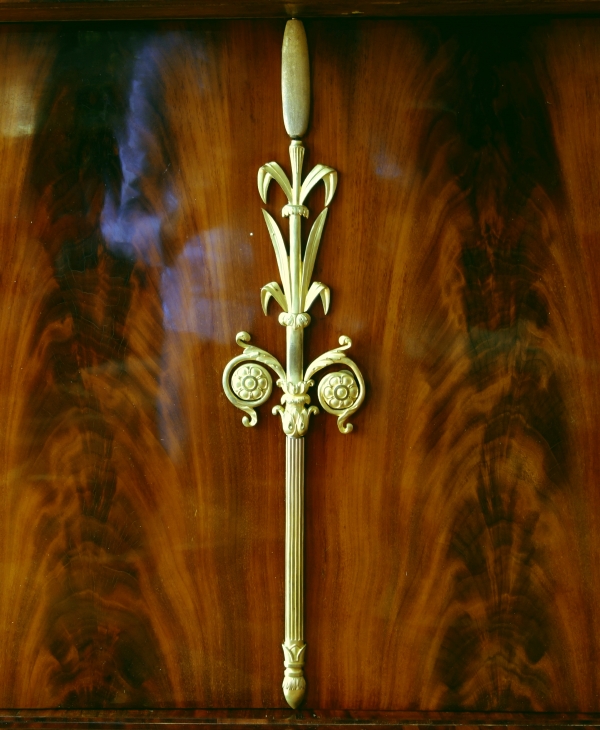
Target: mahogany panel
x: 74, y: 10
x: 452, y: 539
x: 142, y: 531
x: 452, y: 542
x: 453, y: 545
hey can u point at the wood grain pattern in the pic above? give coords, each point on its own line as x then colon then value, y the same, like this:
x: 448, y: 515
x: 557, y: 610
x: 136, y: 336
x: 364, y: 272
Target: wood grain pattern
x: 77, y: 10
x: 452, y: 549
x: 322, y: 718
x: 128, y: 527
x: 204, y: 719
x: 472, y: 456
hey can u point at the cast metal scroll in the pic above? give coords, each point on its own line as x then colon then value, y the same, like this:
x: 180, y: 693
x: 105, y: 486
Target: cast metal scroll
x: 247, y: 380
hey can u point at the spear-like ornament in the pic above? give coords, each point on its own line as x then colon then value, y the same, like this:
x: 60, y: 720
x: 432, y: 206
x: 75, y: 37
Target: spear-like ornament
x: 247, y: 382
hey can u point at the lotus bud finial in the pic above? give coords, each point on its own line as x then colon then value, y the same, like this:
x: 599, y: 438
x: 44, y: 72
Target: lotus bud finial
x: 295, y: 80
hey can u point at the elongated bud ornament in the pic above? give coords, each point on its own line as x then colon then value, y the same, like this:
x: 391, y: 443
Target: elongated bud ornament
x: 295, y: 80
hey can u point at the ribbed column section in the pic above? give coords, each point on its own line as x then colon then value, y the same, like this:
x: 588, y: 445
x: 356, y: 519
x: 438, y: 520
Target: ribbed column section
x: 294, y: 541
x: 294, y: 684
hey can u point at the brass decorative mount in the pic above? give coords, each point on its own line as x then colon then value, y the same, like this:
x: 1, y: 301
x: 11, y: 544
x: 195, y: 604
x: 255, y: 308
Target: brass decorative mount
x: 295, y: 295
x: 247, y: 381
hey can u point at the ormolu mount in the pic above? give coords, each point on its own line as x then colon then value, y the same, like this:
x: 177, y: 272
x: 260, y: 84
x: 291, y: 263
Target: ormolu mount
x: 248, y: 384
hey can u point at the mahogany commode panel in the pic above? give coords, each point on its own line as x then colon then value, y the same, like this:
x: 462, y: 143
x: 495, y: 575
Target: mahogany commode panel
x: 452, y: 541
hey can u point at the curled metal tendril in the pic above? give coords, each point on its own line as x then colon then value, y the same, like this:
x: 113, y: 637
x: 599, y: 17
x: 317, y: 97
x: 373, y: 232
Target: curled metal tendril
x: 248, y: 384
x: 342, y: 407
x: 247, y: 399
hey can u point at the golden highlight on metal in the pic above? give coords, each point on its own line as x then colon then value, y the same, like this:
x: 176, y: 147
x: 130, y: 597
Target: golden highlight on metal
x: 248, y: 383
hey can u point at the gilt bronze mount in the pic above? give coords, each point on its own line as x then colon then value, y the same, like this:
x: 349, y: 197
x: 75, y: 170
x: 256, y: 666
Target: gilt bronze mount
x: 247, y: 381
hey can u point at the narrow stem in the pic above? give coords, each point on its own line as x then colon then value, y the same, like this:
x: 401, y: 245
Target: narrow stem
x: 294, y: 540
x: 295, y: 336
x: 296, y: 158
x: 296, y: 263
x: 294, y: 684
x: 295, y: 357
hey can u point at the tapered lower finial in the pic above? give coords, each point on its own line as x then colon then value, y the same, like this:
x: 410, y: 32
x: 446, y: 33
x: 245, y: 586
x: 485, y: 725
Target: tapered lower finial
x: 294, y: 684
x: 294, y: 697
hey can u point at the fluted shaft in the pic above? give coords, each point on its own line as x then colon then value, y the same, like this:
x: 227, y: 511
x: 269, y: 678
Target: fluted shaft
x: 294, y: 540
x: 294, y: 684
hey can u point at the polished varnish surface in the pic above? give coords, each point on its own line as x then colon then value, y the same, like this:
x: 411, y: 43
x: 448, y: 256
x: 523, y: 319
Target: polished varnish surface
x: 453, y: 557
x: 58, y: 10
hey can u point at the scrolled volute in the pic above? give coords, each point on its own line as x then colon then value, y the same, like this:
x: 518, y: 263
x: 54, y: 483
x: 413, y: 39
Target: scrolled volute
x: 246, y: 382
x: 341, y: 393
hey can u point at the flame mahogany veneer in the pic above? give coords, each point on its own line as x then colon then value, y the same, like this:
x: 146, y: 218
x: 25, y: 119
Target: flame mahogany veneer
x: 453, y: 540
